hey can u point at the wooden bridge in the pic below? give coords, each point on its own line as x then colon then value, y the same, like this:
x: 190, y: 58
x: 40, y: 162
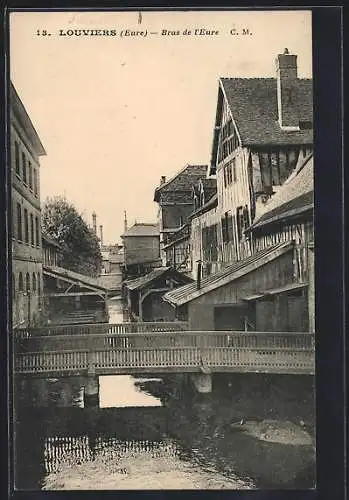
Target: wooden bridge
x: 130, y: 348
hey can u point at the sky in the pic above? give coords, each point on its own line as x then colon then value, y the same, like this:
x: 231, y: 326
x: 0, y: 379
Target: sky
x: 115, y: 113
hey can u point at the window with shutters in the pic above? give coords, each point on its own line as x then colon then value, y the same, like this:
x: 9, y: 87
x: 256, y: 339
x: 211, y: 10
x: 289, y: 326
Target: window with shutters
x: 229, y: 222
x: 224, y: 230
x: 246, y: 218
x: 227, y: 227
x: 240, y: 221
x: 214, y: 243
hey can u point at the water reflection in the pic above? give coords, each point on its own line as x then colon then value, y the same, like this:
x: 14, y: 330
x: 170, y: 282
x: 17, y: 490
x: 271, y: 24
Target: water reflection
x: 123, y: 391
x: 70, y: 451
x: 154, y: 433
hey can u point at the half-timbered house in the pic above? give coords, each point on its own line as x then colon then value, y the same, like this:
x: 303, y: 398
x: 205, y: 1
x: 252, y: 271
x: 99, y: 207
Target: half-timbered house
x: 273, y: 288
x: 263, y: 130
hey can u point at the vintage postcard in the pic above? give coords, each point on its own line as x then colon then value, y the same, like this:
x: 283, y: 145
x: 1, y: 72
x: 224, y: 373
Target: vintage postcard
x: 163, y: 299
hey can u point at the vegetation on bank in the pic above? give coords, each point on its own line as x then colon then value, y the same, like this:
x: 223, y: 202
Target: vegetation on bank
x: 80, y: 246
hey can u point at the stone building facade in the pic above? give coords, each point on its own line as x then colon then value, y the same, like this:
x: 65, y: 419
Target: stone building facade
x: 27, y: 280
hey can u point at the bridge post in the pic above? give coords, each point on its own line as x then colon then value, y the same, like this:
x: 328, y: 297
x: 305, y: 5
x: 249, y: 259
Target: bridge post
x: 202, y: 382
x: 91, y: 390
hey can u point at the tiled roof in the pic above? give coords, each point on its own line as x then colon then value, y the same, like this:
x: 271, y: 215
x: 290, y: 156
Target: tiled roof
x: 253, y: 102
x: 139, y: 283
x: 209, y: 186
x: 183, y: 180
x: 187, y: 293
x: 209, y: 183
x: 294, y: 196
x: 143, y: 229
x: 80, y: 279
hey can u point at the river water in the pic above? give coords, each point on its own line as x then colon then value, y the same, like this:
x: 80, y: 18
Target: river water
x: 252, y: 432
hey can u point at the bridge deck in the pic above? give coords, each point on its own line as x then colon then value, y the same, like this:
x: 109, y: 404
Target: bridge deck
x: 155, y: 352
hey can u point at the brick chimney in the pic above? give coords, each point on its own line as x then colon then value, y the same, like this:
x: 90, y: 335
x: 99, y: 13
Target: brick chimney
x: 162, y: 180
x: 101, y: 234
x: 94, y: 223
x: 286, y: 77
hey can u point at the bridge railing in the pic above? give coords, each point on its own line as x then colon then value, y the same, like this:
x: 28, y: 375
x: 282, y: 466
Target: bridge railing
x: 243, y: 351
x: 125, y: 360
x: 169, y: 339
x: 100, y: 328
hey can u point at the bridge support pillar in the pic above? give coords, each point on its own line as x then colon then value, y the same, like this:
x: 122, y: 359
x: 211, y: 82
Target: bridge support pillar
x: 91, y: 392
x: 202, y: 382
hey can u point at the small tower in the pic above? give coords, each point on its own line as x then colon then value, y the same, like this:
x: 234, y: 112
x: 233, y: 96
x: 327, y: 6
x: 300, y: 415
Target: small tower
x: 94, y: 222
x: 125, y: 222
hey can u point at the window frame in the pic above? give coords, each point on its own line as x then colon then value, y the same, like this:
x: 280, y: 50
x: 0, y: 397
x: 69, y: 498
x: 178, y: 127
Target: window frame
x: 24, y: 169
x: 17, y: 160
x: 20, y: 282
x: 26, y: 226
x: 19, y: 222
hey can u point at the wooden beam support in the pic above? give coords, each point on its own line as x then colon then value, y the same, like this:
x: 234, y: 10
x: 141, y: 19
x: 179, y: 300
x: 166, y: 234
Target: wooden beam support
x: 153, y: 290
x: 74, y: 294
x: 74, y: 282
